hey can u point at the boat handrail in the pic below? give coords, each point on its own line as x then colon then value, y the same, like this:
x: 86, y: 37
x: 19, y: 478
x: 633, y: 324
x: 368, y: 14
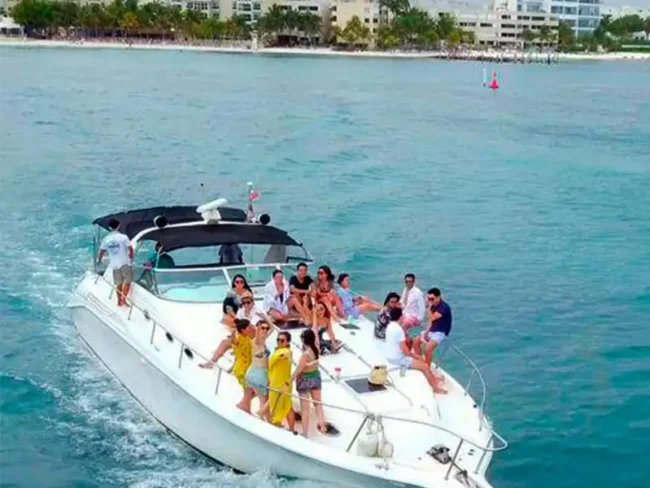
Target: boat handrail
x: 230, y: 267
x: 184, y: 347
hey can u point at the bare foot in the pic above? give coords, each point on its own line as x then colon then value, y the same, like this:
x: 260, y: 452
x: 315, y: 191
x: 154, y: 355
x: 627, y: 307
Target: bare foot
x: 440, y: 391
x: 241, y: 407
x: 208, y: 365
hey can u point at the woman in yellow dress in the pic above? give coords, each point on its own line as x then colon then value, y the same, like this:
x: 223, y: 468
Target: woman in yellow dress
x: 279, y: 405
x: 240, y: 341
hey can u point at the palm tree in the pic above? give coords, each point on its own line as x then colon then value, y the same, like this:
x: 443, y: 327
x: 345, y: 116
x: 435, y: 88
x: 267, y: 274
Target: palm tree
x: 446, y: 25
x: 396, y: 7
x: 528, y: 36
x: 544, y: 34
x: 566, y: 35
x: 355, y: 32
x: 386, y: 38
x: 467, y: 37
x: 129, y: 22
x: 272, y: 22
x: 336, y: 34
x: 292, y: 22
x: 114, y: 13
x: 311, y: 25
x: 93, y: 19
x: 66, y: 14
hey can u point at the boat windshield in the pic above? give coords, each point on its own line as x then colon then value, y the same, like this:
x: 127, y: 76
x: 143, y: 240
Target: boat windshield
x: 205, y: 285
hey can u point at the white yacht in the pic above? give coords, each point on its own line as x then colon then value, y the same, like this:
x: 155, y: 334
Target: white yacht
x: 396, y: 434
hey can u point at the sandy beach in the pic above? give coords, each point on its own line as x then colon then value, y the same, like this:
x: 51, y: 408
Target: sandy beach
x: 322, y: 51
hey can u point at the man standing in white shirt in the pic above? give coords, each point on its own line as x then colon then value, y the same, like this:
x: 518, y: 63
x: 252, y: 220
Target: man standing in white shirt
x: 399, y: 352
x: 120, y: 253
x: 412, y: 303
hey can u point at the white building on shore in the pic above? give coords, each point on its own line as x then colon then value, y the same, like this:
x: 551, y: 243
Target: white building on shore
x: 506, y: 28
x: 342, y: 11
x: 503, y: 23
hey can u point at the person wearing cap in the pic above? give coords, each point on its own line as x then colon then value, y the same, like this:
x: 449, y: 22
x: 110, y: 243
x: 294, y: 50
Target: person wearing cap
x: 120, y: 253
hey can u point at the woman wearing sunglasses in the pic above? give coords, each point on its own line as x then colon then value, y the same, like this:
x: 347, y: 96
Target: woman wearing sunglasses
x: 325, y: 293
x: 232, y: 302
x: 324, y: 324
x: 278, y: 408
x: 249, y: 310
x: 257, y: 376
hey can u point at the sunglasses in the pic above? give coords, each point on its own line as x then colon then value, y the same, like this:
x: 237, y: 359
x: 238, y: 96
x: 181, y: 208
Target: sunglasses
x: 239, y: 282
x: 247, y: 302
x: 265, y: 328
x: 431, y: 298
x: 282, y: 341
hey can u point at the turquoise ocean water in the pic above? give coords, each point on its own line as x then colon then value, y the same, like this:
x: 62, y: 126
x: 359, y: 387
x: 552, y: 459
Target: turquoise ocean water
x: 528, y: 207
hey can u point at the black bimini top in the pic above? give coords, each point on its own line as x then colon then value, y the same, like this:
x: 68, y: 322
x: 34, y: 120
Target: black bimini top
x: 232, y: 229
x: 135, y: 221
x: 217, y: 234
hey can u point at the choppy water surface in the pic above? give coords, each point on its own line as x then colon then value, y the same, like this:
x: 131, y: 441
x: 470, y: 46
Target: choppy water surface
x: 528, y: 207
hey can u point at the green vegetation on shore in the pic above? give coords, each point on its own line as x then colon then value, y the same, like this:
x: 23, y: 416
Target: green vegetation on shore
x: 401, y: 26
x: 405, y: 27
x: 120, y: 18
x: 610, y: 35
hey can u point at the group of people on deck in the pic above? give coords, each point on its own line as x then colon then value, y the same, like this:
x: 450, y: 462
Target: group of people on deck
x: 316, y: 303
x: 400, y: 315
x: 268, y: 375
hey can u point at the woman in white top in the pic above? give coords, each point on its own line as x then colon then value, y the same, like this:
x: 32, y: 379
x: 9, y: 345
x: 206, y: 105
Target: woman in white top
x: 278, y: 298
x: 249, y: 310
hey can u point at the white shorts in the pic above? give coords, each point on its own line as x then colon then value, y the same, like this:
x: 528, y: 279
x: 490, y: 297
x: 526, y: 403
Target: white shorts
x: 436, y: 336
x: 402, y: 362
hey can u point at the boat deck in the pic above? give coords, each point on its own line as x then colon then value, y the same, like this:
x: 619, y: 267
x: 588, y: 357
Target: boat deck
x: 407, y: 397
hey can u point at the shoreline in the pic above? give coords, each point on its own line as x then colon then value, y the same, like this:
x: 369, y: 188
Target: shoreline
x: 487, y: 56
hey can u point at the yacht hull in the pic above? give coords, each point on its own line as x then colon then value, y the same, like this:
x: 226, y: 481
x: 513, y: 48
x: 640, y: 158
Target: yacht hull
x: 194, y: 423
